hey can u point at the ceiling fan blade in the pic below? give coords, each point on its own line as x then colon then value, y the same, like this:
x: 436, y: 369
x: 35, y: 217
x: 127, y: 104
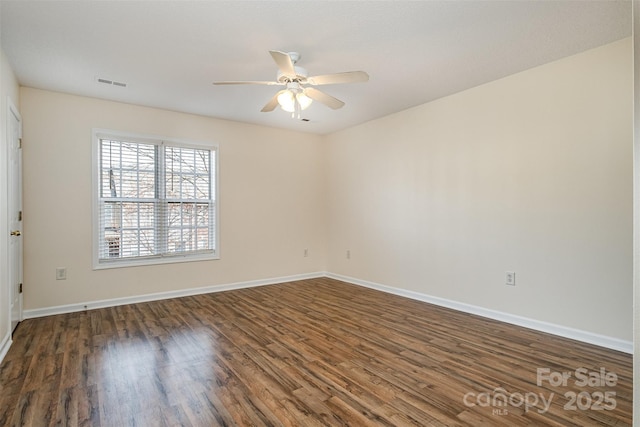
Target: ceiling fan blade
x: 248, y: 82
x: 284, y: 63
x: 272, y: 104
x: 347, y: 77
x: 322, y: 97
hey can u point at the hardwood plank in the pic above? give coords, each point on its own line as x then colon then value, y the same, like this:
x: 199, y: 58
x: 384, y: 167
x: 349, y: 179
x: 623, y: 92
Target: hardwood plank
x: 311, y: 352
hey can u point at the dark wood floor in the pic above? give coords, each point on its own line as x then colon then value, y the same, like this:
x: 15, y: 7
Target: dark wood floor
x: 314, y: 352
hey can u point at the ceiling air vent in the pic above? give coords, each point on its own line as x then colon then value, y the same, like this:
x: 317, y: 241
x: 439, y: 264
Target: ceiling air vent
x: 110, y: 82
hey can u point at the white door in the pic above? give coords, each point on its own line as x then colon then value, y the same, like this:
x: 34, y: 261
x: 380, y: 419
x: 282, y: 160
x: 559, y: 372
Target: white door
x: 14, y: 127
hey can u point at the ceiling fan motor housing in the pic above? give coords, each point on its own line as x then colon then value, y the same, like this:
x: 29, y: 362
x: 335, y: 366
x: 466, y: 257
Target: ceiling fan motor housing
x: 301, y: 76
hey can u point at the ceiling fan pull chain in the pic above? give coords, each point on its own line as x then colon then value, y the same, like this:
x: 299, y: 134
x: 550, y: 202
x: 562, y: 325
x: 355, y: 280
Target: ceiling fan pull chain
x: 296, y: 113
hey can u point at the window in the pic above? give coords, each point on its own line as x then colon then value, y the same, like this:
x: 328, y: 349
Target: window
x: 155, y: 201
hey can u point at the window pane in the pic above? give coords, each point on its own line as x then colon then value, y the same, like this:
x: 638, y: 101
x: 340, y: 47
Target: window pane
x: 173, y: 185
x: 202, y: 215
x: 174, y: 215
x: 188, y: 188
x: 187, y: 173
x: 110, y: 154
x: 111, y: 216
x: 175, y: 241
x: 112, y: 245
x: 129, y: 156
x: 128, y: 229
x: 203, y: 238
x: 188, y: 226
x: 187, y: 159
x: 147, y: 185
x: 130, y: 243
x: 147, y: 215
x: 147, y: 158
x: 202, y: 187
x: 110, y: 168
x: 188, y: 214
x: 127, y: 169
x: 130, y: 215
x: 202, y: 162
x: 147, y: 242
x: 129, y: 186
x: 108, y: 183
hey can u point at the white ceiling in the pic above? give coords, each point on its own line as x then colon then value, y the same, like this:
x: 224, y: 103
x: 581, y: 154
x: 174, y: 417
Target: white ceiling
x: 169, y: 52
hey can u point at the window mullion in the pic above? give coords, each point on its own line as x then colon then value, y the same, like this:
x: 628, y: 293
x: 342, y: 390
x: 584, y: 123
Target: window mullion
x: 101, y: 208
x: 138, y: 229
x: 194, y: 214
x: 181, y: 204
x: 161, y: 204
x: 102, y: 253
x: 212, y: 202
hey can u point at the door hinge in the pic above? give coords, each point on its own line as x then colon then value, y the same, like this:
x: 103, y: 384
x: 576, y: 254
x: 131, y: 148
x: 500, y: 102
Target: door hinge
x: 19, y: 142
x: 20, y: 288
x: 19, y: 215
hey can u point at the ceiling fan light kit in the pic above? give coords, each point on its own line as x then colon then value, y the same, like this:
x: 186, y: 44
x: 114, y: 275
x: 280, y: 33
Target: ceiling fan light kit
x: 298, y: 95
x: 293, y: 100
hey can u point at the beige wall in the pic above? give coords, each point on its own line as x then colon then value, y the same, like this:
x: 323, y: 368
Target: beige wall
x: 271, y: 200
x: 530, y: 173
x: 8, y: 89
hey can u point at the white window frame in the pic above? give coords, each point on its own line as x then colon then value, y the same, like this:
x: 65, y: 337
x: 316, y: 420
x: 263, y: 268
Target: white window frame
x: 97, y: 135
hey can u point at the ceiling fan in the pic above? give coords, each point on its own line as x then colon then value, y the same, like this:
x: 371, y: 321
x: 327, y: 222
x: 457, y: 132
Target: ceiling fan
x: 299, y: 92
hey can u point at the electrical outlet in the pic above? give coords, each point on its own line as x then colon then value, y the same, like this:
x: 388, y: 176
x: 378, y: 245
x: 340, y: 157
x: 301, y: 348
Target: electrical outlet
x: 306, y: 253
x: 510, y: 278
x: 348, y: 254
x: 61, y: 273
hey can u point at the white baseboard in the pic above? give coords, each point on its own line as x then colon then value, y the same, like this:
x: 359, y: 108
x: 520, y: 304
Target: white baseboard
x: 4, y: 346
x: 563, y: 331
x: 90, y: 305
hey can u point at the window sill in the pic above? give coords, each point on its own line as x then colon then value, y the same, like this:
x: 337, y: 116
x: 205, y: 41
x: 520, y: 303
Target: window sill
x: 170, y: 259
